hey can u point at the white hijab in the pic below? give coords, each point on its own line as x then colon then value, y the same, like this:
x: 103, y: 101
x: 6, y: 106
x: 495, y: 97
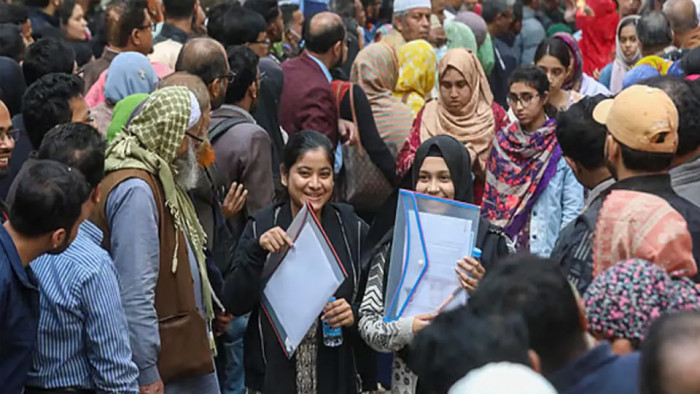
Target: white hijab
x: 622, y: 64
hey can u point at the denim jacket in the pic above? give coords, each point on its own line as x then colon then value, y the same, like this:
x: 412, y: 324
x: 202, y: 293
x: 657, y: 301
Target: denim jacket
x: 560, y: 202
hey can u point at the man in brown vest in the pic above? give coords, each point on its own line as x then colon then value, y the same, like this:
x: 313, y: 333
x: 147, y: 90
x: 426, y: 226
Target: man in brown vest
x: 157, y: 243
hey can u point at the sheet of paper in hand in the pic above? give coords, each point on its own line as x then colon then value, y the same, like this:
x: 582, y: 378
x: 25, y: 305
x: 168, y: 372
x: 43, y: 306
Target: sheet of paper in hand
x: 430, y: 235
x: 299, y: 281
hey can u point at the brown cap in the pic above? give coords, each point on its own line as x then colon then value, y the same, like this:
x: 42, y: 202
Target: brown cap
x: 642, y: 118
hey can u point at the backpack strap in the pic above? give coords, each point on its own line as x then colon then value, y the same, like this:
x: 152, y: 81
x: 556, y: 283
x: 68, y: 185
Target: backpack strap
x: 224, y: 126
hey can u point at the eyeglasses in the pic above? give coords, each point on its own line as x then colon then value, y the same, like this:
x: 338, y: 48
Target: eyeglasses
x: 230, y: 76
x: 12, y: 134
x: 525, y: 99
x: 152, y: 27
x: 194, y: 137
x: 265, y: 42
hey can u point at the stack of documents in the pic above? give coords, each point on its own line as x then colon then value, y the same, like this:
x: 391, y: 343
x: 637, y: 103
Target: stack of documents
x: 430, y: 235
x: 299, y: 281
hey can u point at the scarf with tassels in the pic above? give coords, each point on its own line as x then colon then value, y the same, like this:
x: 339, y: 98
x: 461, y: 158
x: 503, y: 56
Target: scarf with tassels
x: 151, y: 143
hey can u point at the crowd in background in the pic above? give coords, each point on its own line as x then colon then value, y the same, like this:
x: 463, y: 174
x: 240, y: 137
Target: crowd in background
x: 153, y: 153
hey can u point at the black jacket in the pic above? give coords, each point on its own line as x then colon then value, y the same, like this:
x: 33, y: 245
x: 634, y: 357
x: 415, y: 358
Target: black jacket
x: 267, y: 369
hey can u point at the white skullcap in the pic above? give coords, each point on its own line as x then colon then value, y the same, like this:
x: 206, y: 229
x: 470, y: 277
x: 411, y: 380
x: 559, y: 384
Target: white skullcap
x: 195, y: 112
x: 499, y: 378
x: 406, y: 5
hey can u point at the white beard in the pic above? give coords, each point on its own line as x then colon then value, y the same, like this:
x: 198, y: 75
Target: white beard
x: 186, y: 169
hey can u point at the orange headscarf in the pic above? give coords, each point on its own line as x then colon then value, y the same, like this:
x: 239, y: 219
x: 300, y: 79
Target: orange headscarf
x: 643, y: 226
x: 474, y: 124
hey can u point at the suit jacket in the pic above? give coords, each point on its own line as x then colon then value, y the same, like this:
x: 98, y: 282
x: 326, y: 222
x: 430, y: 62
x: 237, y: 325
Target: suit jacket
x: 307, y: 101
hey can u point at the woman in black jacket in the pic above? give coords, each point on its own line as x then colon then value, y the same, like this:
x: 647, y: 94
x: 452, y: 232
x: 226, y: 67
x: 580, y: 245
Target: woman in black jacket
x: 441, y: 168
x: 307, y: 174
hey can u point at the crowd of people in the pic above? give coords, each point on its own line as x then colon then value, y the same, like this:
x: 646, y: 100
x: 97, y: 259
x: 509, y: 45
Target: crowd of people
x: 154, y: 153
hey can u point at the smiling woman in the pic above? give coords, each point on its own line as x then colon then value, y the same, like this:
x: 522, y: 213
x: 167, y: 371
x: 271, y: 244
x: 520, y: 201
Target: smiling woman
x: 307, y: 174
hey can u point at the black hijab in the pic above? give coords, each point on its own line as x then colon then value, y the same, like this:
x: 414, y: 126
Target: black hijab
x: 457, y: 160
x: 12, y: 85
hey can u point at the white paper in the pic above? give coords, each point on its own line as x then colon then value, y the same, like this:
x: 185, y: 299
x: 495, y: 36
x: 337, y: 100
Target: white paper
x: 301, y: 286
x: 447, y: 240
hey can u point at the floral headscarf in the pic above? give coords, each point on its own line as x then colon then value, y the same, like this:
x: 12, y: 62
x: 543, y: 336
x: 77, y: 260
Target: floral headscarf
x: 623, y: 301
x: 577, y: 57
x: 418, y: 66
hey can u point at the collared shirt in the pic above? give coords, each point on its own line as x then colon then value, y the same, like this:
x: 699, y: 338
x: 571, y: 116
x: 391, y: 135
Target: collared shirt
x: 595, y: 192
x: 169, y: 31
x: 598, y: 370
x: 19, y: 316
x: 83, y: 340
x: 325, y: 70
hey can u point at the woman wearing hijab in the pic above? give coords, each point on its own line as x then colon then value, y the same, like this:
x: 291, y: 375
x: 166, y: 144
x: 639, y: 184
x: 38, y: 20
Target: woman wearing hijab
x: 376, y: 70
x: 12, y: 85
x: 627, y: 53
x: 485, y: 48
x: 129, y: 73
x: 640, y: 225
x: 460, y: 35
x: 417, y: 74
x: 624, y: 301
x: 598, y: 23
x: 442, y: 168
x: 122, y: 112
x: 530, y: 190
x: 465, y: 110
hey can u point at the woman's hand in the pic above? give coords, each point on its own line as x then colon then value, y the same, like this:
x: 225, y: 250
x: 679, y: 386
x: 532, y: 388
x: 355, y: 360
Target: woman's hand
x: 274, y: 240
x: 473, y: 267
x: 234, y: 200
x: 338, y: 314
x: 420, y: 322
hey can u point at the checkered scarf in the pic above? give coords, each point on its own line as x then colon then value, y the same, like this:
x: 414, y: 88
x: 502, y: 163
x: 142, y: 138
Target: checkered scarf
x: 151, y: 143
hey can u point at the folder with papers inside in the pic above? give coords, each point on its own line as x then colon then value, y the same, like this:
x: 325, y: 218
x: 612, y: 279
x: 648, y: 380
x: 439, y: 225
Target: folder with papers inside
x: 430, y: 235
x: 299, y: 281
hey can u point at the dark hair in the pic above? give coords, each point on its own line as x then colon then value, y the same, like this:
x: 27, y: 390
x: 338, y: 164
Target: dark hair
x: 555, y: 47
x: 536, y: 289
x: 244, y: 66
x: 637, y: 160
x: 231, y: 24
x: 288, y: 11
x: 531, y: 76
x: 686, y: 98
x: 179, y: 9
x: 678, y: 331
x: 457, y: 342
x: 121, y: 18
x: 37, y: 3
x: 344, y: 8
x: 492, y: 8
x: 654, y: 30
x: 49, y: 197
x: 303, y: 141
x: 268, y: 9
x: 79, y: 146
x: 11, y: 41
x: 690, y: 62
x: 65, y: 10
x: 324, y: 38
x: 580, y: 137
x: 203, y: 57
x: 45, y: 56
x: 14, y: 13
x: 518, y: 11
x: 46, y: 104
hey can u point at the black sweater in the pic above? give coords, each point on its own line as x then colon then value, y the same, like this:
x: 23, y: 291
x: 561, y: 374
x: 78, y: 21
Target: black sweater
x: 267, y: 369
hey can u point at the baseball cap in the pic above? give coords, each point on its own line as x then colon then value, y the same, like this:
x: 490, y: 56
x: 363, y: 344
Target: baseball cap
x: 642, y: 118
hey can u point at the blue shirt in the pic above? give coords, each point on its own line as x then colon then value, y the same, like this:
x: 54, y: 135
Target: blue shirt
x: 19, y: 316
x: 83, y: 340
x: 132, y: 217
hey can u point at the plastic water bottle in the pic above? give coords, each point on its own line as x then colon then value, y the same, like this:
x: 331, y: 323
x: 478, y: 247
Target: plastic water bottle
x: 332, y: 337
